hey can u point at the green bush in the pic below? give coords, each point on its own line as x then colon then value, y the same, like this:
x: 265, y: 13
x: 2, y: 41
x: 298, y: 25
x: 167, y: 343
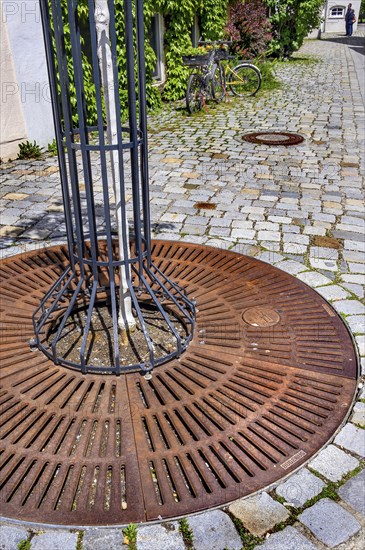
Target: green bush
x: 52, y: 147
x: 292, y: 21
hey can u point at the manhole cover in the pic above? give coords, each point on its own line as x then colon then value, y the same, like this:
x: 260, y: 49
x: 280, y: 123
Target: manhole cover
x: 249, y: 401
x: 273, y: 138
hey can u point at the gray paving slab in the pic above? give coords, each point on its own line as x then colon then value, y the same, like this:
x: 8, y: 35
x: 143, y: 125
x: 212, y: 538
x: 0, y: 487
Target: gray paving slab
x: 333, y: 463
x: 157, y: 537
x: 11, y: 536
x: 356, y: 289
x: 100, y: 539
x: 352, y: 439
x: 214, y: 530
x: 270, y: 257
x: 300, y: 487
x: 356, y: 323
x: 353, y: 492
x: 360, y: 342
x: 358, y: 414
x: 287, y: 539
x: 259, y: 513
x: 291, y: 266
x: 332, y: 292
x: 313, y: 278
x: 350, y: 307
x: 55, y: 540
x: 329, y: 522
x: 327, y: 265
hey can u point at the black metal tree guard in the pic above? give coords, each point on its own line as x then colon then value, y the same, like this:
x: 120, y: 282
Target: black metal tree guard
x: 104, y: 270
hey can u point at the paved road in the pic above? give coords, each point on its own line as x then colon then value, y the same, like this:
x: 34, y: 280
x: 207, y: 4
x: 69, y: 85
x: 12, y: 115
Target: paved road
x: 300, y: 208
x: 357, y: 49
x: 356, y: 46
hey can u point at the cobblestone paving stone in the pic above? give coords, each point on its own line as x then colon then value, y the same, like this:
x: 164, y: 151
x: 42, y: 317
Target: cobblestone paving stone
x: 100, y: 539
x: 300, y: 208
x: 353, y: 492
x: 214, y: 530
x: 288, y: 539
x: 259, y: 513
x: 329, y: 522
x: 156, y: 537
x: 333, y: 463
x: 300, y: 487
x: 55, y: 541
x: 11, y: 536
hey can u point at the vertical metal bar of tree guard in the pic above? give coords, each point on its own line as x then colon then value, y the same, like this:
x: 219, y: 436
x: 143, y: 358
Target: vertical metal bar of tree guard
x: 60, y: 152
x: 91, y: 277
x: 83, y: 131
x: 143, y: 127
x: 67, y: 134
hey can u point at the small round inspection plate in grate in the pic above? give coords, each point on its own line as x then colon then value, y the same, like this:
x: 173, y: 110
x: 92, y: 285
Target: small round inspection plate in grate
x: 273, y: 138
x: 261, y: 317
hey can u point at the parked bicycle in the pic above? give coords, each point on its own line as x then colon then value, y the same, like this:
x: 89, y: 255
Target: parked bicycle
x: 200, y: 86
x: 214, y: 75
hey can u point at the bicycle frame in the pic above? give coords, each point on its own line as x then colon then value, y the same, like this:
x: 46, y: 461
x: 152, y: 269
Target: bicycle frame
x: 228, y: 69
x: 206, y: 73
x: 229, y: 75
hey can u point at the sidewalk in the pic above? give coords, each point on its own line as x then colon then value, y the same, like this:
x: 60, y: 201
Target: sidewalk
x: 300, y: 208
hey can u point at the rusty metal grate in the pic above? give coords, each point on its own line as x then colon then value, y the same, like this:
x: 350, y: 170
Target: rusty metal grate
x: 267, y: 379
x: 273, y: 138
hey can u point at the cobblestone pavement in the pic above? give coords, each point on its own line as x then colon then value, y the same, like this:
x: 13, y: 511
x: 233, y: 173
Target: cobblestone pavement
x: 300, y: 208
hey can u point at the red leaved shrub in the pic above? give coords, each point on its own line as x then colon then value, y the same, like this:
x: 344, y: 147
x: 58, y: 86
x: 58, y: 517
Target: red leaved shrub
x: 249, y: 27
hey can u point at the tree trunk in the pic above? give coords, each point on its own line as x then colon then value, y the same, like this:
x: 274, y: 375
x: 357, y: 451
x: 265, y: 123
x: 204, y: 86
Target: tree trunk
x: 126, y: 321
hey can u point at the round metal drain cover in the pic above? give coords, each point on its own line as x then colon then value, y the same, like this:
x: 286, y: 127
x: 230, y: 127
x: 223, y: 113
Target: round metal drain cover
x: 249, y: 401
x: 273, y: 138
x: 261, y: 316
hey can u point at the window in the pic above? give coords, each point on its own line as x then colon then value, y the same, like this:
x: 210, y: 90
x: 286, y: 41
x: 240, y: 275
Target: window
x: 195, y: 32
x: 338, y: 11
x: 156, y: 41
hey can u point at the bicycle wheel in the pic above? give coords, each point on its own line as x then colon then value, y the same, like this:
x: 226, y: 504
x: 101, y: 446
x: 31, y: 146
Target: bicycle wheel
x: 244, y: 80
x: 218, y: 84
x: 194, y: 93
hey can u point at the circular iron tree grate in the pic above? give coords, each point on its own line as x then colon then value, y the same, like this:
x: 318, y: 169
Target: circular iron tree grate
x: 268, y: 377
x: 273, y: 138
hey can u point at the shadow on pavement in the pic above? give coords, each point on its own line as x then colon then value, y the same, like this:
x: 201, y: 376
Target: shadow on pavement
x: 356, y: 43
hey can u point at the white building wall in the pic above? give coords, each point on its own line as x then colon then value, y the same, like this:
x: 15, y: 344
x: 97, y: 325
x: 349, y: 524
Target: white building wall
x: 12, y: 123
x: 24, y: 28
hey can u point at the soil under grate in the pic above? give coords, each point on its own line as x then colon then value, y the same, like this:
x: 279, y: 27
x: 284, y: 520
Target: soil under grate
x: 133, y: 347
x: 267, y: 379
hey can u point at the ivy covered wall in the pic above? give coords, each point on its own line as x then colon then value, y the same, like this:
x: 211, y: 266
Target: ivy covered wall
x: 179, y: 19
